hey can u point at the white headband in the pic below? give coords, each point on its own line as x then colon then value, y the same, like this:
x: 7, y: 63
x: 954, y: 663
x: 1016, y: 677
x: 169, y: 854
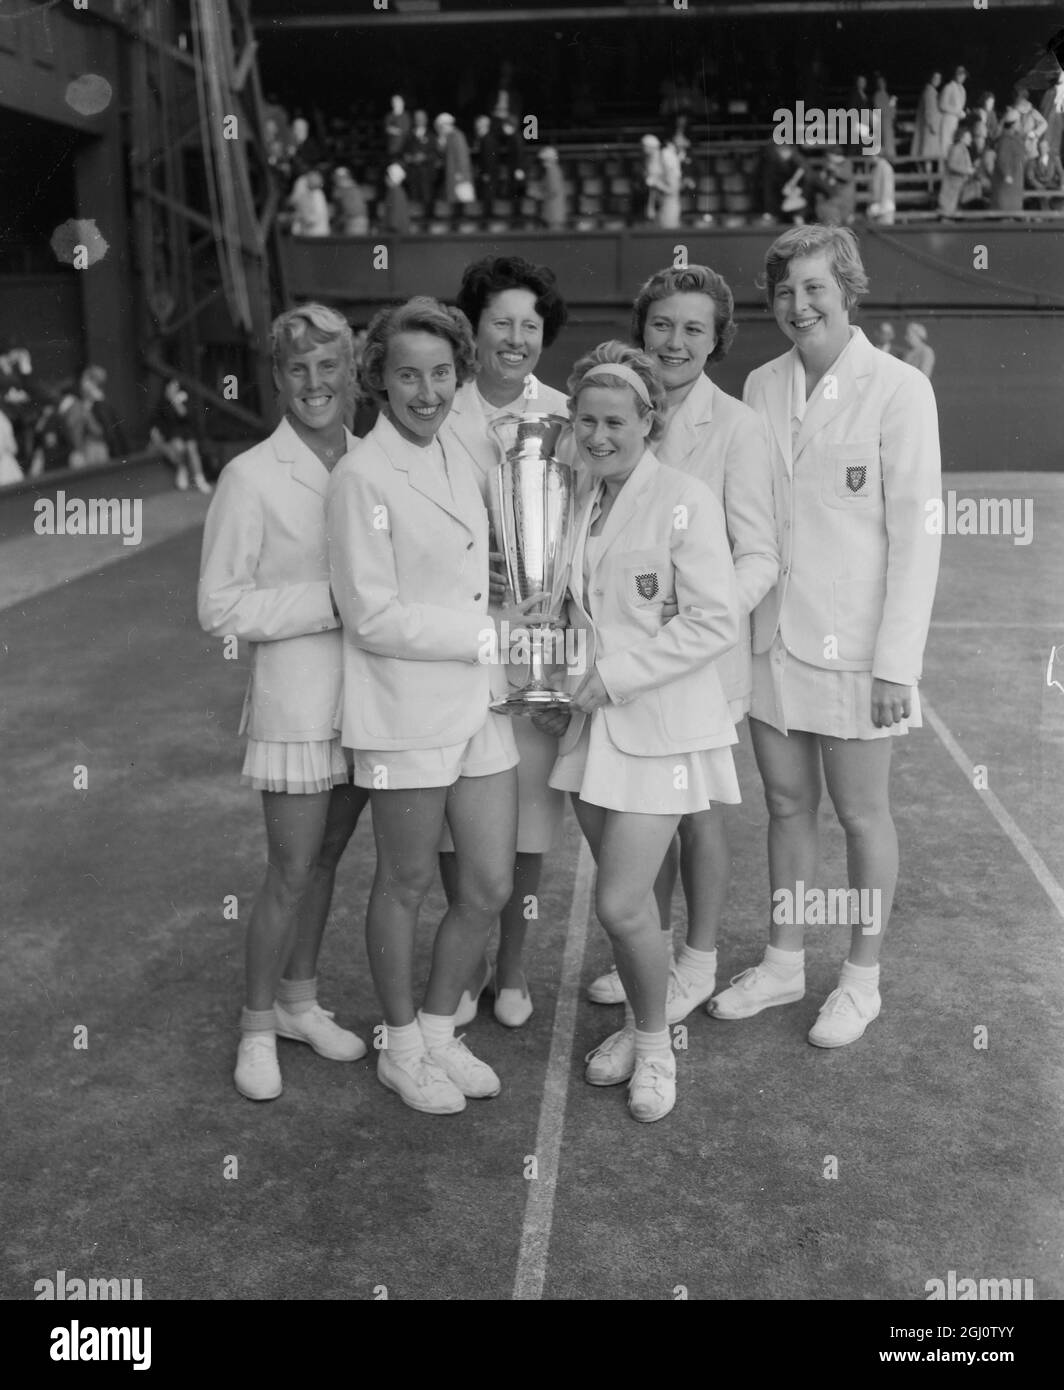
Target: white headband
x: 634, y: 380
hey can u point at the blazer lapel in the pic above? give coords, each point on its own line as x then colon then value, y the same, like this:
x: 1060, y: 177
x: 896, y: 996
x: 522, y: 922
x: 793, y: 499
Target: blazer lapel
x: 848, y: 372
x: 426, y: 478
x: 304, y: 465
x: 683, y: 435
x: 627, y: 504
x: 778, y: 404
x: 469, y: 427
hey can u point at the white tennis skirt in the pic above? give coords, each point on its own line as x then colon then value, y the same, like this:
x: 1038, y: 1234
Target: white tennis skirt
x: 668, y: 785
x: 792, y: 694
x: 298, y: 768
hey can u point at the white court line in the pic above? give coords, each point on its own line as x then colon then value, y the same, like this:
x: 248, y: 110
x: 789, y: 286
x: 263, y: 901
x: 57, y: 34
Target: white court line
x: 1033, y: 859
x: 539, y: 1206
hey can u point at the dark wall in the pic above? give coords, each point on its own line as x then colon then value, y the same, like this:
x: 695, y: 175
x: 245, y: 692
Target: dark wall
x: 1000, y: 345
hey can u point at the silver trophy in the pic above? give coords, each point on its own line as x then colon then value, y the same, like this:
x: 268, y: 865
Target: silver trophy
x: 531, y: 503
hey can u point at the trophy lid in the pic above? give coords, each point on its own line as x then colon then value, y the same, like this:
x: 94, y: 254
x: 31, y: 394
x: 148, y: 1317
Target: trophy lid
x: 537, y: 430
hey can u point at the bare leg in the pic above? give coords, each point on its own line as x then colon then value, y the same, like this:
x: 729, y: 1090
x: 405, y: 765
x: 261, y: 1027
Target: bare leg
x: 513, y: 923
x: 406, y: 826
x: 857, y: 772
x: 705, y: 866
x: 295, y: 825
x: 345, y: 807
x: 482, y: 814
x: 790, y: 769
x: 628, y: 848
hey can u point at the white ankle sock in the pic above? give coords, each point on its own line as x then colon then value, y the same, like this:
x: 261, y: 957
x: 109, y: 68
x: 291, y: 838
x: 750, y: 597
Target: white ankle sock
x: 436, y: 1029
x: 629, y: 1016
x: 864, y: 976
x: 653, y: 1044
x: 258, y: 1021
x: 697, y: 965
x: 405, y: 1041
x: 298, y: 996
x: 782, y: 963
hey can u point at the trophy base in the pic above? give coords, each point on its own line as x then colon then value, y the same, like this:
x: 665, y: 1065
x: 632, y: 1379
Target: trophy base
x: 529, y: 702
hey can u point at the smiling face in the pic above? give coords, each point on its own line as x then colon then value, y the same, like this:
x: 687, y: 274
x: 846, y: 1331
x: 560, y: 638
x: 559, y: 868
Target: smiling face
x: 509, y: 340
x: 313, y: 385
x: 610, y: 433
x: 680, y: 333
x: 420, y: 381
x: 810, y: 307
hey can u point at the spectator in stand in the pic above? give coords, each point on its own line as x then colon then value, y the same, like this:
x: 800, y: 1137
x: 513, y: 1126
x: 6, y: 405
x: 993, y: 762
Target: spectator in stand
x: 681, y: 140
x: 10, y: 472
x: 484, y: 151
x: 51, y: 439
x: 420, y: 159
x: 952, y: 102
x: 396, y: 203
x: 957, y: 173
x: 455, y: 169
x: 885, y: 337
x: 304, y: 152
x: 835, y: 190
x: 983, y: 163
x: 653, y: 176
x: 783, y: 175
x: 671, y: 183
x: 881, y: 205
x: 919, y: 355
x: 175, y: 435
x: 1006, y: 182
x: 352, y: 215
x: 21, y: 400
x: 507, y: 99
x: 883, y: 102
x: 859, y: 97
x: 311, y: 206
x: 396, y: 128
x: 554, y: 205
x: 1032, y: 124
x: 1046, y: 173
x: 1052, y: 108
x: 511, y: 155
x: 927, y: 133
x: 986, y: 116
x: 86, y: 427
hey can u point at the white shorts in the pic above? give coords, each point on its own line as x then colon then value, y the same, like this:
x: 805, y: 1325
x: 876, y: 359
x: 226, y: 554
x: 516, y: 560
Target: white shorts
x: 491, y: 749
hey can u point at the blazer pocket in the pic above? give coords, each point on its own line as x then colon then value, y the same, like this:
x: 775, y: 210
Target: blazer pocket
x: 851, y: 473
x: 858, y: 611
x: 646, y: 578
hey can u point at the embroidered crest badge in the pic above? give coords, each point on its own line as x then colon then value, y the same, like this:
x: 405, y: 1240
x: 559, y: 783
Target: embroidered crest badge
x: 647, y: 584
x: 856, y: 476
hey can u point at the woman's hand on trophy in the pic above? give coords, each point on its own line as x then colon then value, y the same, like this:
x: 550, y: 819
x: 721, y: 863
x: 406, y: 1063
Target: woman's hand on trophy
x: 528, y: 612
x: 552, y: 721
x: 591, y: 694
x: 497, y: 578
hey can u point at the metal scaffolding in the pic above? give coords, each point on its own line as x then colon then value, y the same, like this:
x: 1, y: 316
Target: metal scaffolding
x: 205, y: 203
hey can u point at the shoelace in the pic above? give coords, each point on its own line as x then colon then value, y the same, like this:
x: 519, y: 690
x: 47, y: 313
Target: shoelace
x: 658, y: 1076
x: 607, y: 1048
x: 840, y: 1001
x: 259, y: 1040
x: 749, y: 973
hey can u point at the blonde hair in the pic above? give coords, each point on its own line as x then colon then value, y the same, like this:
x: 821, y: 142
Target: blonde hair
x: 615, y: 353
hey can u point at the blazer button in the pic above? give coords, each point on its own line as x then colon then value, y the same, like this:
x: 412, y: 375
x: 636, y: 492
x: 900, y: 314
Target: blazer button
x: 598, y: 591
x: 475, y: 597
x: 469, y: 546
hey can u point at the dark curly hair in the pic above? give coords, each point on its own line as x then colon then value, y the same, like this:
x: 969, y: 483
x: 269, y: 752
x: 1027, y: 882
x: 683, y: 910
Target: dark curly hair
x: 493, y: 275
x: 421, y: 314
x: 692, y: 279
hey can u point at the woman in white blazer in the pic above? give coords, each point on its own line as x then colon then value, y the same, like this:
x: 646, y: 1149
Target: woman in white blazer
x: 408, y: 544
x: 654, y: 602
x: 839, y: 641
x: 684, y: 320
x: 264, y: 580
x: 515, y: 312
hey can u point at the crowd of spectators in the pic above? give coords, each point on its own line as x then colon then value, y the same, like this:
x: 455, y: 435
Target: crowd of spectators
x: 45, y: 428
x: 427, y: 174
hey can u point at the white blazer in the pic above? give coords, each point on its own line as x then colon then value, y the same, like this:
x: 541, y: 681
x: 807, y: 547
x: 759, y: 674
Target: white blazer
x: 663, y: 546
x: 859, y: 564
x: 264, y: 579
x: 409, y: 563
x: 722, y: 442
